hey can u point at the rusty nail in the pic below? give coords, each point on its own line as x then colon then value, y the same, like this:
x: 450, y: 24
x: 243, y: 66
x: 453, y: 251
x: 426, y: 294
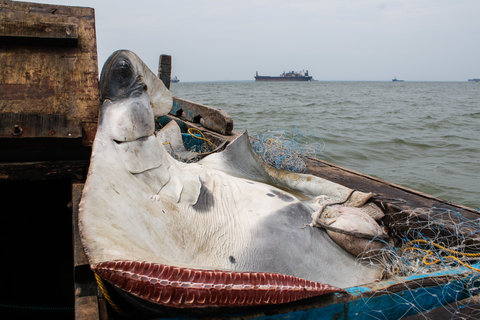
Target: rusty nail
x: 17, y: 130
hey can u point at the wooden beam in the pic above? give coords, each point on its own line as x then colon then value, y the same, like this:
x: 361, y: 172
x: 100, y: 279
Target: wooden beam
x: 404, y: 198
x: 79, y: 257
x: 165, y: 69
x: 26, y: 32
x: 86, y: 301
x: 468, y: 308
x: 44, y: 170
x: 14, y: 125
x: 209, y: 117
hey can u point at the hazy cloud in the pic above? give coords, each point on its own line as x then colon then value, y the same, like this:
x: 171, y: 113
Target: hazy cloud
x: 333, y: 39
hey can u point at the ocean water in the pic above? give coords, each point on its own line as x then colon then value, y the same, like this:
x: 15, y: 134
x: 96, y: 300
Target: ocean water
x: 422, y: 135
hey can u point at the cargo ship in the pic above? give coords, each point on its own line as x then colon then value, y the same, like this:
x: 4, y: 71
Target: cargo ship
x: 286, y: 76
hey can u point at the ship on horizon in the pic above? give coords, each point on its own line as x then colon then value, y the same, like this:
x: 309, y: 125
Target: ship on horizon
x: 286, y: 76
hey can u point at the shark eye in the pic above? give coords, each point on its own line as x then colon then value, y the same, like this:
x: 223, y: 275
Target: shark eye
x: 124, y: 64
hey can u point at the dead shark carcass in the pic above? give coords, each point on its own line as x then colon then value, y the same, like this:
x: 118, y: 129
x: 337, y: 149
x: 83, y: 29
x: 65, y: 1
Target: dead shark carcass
x: 225, y: 231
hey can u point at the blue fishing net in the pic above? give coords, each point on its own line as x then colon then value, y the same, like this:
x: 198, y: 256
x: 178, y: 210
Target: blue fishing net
x: 286, y: 149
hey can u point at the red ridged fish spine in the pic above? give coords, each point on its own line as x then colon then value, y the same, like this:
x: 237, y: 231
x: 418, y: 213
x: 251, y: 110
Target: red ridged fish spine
x: 185, y: 287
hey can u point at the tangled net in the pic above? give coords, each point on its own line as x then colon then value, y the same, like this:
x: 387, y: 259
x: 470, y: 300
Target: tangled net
x: 426, y: 245
x: 426, y: 242
x: 194, y: 140
x: 286, y: 149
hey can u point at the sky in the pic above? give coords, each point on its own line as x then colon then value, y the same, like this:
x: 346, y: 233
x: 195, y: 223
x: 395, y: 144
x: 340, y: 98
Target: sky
x: 335, y: 40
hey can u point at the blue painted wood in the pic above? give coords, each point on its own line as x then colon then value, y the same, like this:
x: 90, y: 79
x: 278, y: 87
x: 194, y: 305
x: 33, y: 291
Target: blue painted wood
x: 162, y: 121
x: 176, y: 106
x: 364, y: 303
x: 383, y: 305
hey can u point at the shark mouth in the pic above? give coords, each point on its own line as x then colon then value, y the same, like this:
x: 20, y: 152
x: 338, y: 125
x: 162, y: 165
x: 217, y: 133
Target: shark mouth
x: 225, y: 231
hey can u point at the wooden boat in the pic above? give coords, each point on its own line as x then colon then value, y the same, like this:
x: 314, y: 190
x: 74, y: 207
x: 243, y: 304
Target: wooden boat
x: 45, y: 151
x: 418, y: 218
x: 393, y: 297
x: 164, y: 267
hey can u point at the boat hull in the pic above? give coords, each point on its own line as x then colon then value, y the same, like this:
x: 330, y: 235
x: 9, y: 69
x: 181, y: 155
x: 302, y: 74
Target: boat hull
x: 267, y: 78
x: 387, y: 299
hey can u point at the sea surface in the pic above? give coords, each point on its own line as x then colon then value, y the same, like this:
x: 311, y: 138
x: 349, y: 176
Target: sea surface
x: 422, y: 135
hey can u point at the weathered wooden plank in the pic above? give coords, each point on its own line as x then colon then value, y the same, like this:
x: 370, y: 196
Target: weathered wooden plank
x: 79, y: 257
x: 165, y: 69
x: 49, y: 79
x: 209, y: 117
x: 86, y: 308
x: 42, y: 170
x: 402, y: 197
x: 86, y: 301
x: 37, y: 125
x: 468, y: 308
x: 103, y: 308
x: 43, y: 149
x: 28, y: 32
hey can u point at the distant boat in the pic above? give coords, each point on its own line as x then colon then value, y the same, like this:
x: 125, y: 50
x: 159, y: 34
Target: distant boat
x: 397, y: 80
x: 286, y: 76
x: 474, y: 80
x: 174, y: 80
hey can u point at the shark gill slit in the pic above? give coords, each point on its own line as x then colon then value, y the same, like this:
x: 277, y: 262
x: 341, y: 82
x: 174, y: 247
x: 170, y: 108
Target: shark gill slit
x: 189, y: 288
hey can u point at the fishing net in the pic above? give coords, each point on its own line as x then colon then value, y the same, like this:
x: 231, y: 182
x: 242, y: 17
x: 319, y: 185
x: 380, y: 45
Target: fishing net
x: 286, y: 149
x: 434, y: 260
x: 425, y: 244
x: 194, y: 146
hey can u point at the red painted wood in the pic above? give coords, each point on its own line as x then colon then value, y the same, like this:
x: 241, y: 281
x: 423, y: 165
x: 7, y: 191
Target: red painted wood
x: 185, y: 287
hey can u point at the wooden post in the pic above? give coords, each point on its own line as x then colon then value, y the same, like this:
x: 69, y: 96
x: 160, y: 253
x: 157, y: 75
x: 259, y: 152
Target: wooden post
x: 165, y: 69
x: 86, y: 300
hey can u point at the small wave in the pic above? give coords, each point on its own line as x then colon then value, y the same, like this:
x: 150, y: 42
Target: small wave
x: 405, y: 142
x: 475, y: 115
